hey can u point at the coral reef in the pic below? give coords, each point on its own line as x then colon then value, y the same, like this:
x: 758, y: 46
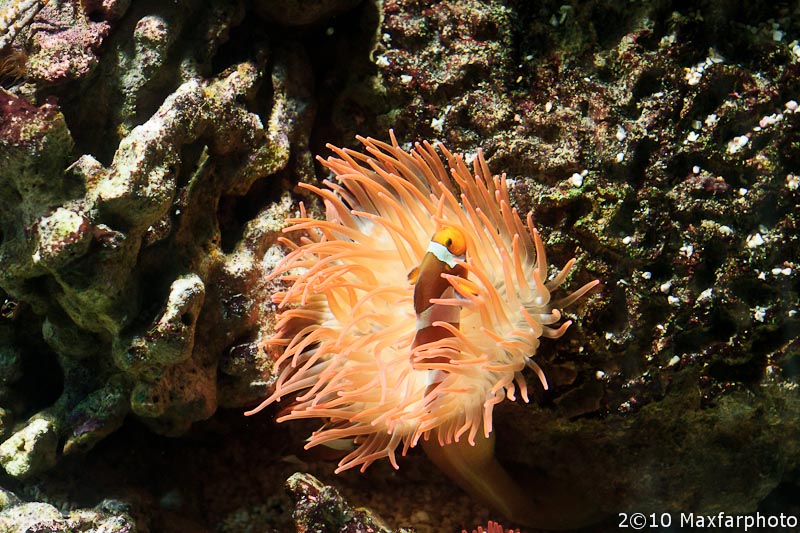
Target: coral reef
x: 321, y: 508
x: 147, y: 156
x: 16, y: 515
x: 14, y: 16
x: 83, y: 247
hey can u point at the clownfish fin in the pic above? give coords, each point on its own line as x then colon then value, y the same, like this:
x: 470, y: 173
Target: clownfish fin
x: 464, y: 288
x: 413, y: 275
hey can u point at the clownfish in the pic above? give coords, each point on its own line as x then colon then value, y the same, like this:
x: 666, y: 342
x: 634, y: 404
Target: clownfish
x: 446, y: 254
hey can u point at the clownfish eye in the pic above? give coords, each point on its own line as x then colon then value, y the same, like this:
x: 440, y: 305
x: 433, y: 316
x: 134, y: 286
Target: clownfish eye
x: 452, y: 239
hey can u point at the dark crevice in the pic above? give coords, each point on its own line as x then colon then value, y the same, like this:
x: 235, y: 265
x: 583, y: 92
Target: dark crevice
x: 767, y: 338
x: 650, y: 82
x: 614, y: 316
x: 714, y: 254
x: 683, y: 163
x: 754, y: 292
x: 748, y: 372
x: 564, y: 215
x: 716, y: 90
x: 624, y: 222
x: 42, y: 380
x: 234, y: 212
x: 640, y: 161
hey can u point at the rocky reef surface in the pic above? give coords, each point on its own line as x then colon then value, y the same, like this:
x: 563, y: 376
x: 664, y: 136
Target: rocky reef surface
x: 148, y: 152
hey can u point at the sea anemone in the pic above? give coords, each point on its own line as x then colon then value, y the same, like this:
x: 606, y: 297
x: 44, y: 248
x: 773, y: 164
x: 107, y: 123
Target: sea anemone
x: 13, y: 66
x: 350, y: 318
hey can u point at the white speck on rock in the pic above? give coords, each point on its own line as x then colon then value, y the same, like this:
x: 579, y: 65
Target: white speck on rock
x: 769, y: 120
x: 705, y: 295
x: 737, y: 143
x: 576, y: 180
x: 755, y: 240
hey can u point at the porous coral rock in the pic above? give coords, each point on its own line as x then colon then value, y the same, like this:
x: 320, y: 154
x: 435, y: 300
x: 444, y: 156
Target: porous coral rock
x: 92, y: 236
x: 31, y: 449
x: 68, y: 48
x: 58, y: 41
x: 18, y: 516
x: 319, y: 507
x: 16, y: 15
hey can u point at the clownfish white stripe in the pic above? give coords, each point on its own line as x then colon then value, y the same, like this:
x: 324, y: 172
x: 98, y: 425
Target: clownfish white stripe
x: 433, y: 377
x: 443, y: 254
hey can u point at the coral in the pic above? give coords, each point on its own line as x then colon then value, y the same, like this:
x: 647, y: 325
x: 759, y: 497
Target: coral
x: 492, y: 527
x: 16, y: 515
x: 321, y: 508
x: 68, y: 48
x: 59, y: 41
x: 89, y: 234
x: 31, y: 449
x: 14, y: 16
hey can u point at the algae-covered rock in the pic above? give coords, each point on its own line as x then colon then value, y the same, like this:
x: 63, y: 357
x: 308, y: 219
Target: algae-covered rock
x: 30, y: 450
x: 96, y: 249
x: 17, y: 516
x: 321, y: 508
